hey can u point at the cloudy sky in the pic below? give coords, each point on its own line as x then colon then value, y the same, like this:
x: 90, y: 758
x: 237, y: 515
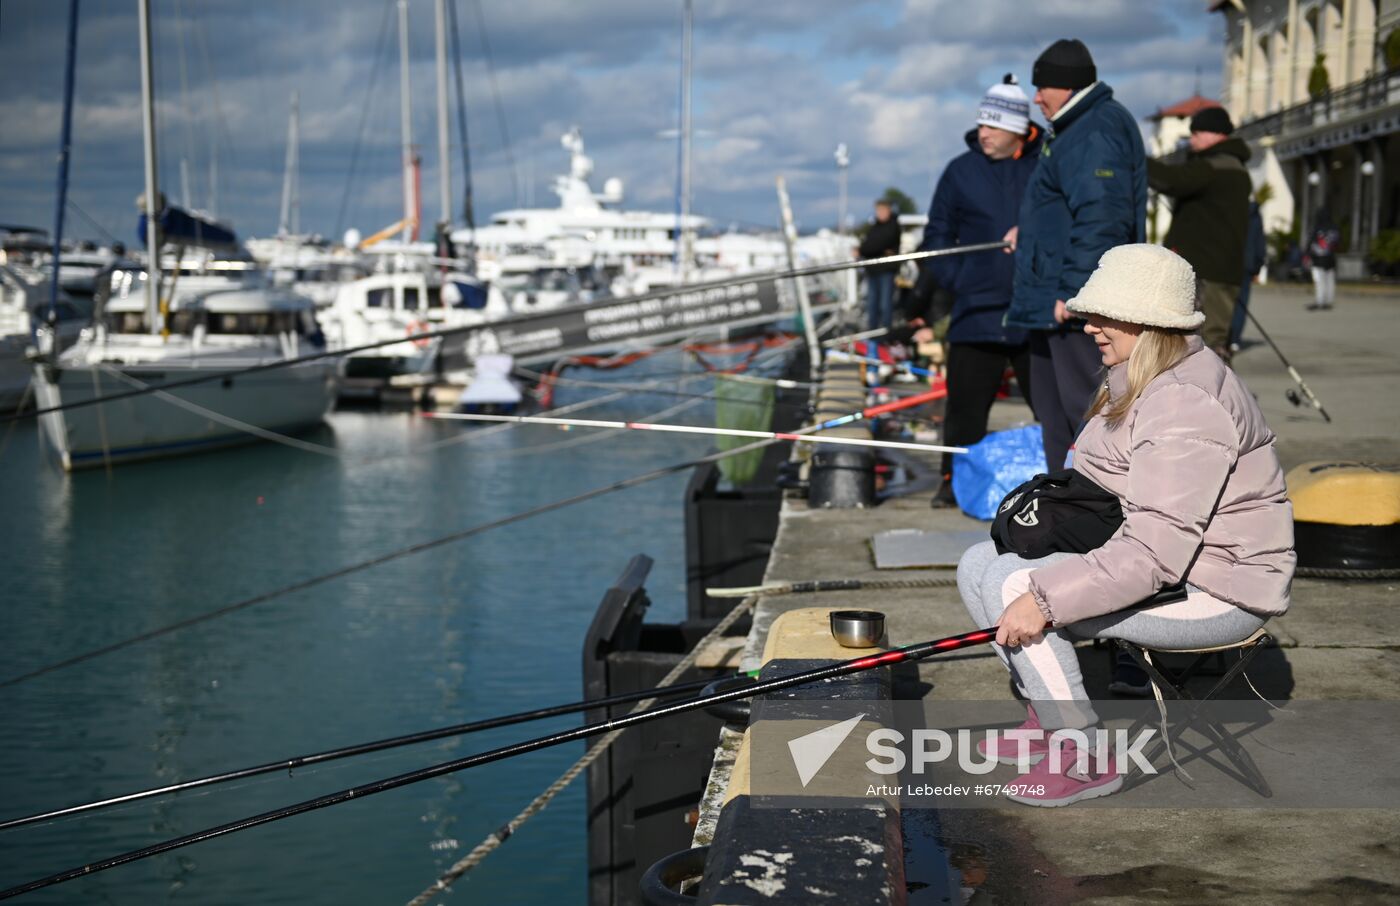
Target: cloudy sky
x: 778, y: 83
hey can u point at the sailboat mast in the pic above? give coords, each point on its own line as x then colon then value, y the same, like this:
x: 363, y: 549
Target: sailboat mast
x: 65, y: 143
x: 406, y: 125
x: 153, y: 205
x: 444, y: 162
x: 684, y: 237
x: 289, y: 222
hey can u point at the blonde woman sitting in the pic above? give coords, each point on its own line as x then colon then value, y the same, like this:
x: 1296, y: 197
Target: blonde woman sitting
x: 1179, y: 439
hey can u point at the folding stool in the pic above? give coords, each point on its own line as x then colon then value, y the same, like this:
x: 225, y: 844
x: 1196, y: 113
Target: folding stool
x: 1172, y: 684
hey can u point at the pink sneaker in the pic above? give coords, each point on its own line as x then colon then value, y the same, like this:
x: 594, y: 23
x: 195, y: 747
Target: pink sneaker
x: 1004, y: 749
x: 1039, y: 786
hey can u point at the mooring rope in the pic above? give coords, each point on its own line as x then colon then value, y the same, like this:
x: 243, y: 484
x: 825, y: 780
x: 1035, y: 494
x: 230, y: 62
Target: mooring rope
x: 1325, y: 572
x: 504, y: 833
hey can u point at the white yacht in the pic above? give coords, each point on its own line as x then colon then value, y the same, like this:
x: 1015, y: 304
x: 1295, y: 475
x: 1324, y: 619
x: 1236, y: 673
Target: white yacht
x: 222, y: 316
x: 400, y: 304
x: 587, y: 230
x: 309, y: 265
x: 589, y: 240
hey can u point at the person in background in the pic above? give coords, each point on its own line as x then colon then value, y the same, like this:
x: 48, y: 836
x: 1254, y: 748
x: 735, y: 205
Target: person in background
x: 1255, y: 256
x: 881, y: 240
x: 977, y: 200
x: 1322, y: 250
x: 1088, y: 194
x: 1210, y: 216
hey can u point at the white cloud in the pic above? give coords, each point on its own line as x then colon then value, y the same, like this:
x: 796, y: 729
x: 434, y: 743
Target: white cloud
x: 778, y: 84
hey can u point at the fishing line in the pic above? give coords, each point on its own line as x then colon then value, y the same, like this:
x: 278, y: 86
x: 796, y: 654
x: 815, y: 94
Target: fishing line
x: 385, y: 558
x: 906, y: 654
x: 695, y: 429
x: 654, y: 388
x: 399, y: 554
x: 454, y: 331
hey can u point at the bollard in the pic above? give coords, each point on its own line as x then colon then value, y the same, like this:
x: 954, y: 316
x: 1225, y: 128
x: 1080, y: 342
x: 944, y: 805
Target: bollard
x: 841, y: 478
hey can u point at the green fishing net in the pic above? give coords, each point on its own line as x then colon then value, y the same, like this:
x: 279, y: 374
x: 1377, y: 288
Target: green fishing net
x: 745, y: 406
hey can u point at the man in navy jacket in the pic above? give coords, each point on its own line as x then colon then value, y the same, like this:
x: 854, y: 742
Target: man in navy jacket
x: 1088, y: 194
x: 977, y: 200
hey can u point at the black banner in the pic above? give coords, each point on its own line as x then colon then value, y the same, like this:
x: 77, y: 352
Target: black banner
x: 613, y: 324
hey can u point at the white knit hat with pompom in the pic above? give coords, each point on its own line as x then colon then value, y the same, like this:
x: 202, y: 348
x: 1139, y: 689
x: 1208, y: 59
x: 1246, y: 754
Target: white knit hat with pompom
x: 1141, y: 284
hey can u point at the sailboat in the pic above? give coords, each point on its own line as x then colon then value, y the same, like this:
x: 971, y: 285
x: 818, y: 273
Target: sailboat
x: 217, y: 316
x: 307, y: 264
x: 417, y: 287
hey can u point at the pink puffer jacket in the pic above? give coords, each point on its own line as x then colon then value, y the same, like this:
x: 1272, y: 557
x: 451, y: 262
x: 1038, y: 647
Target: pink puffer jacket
x: 1203, y: 498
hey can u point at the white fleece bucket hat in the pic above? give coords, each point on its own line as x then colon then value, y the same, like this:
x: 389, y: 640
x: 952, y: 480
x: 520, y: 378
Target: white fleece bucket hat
x: 1141, y: 284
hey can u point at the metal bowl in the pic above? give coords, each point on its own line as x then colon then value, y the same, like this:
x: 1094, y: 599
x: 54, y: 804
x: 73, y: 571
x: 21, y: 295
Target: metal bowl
x: 857, y: 628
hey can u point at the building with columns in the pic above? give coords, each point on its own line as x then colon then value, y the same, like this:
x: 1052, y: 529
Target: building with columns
x: 1331, y: 147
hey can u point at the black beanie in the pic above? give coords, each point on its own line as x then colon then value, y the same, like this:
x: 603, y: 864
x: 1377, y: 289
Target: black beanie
x: 1065, y: 64
x: 1212, y: 119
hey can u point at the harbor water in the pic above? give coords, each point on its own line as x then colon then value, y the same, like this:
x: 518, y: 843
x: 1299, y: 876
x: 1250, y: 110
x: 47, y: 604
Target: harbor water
x: 488, y: 625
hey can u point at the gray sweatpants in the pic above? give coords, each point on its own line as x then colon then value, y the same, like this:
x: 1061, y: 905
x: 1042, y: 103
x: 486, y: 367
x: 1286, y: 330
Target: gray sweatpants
x: 1047, y: 671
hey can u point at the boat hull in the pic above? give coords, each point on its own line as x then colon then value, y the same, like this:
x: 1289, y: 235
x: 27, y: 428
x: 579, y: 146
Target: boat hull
x: 14, y: 371
x: 150, y: 427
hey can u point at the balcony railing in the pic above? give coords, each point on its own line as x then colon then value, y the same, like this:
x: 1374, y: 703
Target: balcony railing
x: 1374, y: 93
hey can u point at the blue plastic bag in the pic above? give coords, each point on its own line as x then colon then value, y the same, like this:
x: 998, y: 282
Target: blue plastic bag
x: 994, y: 466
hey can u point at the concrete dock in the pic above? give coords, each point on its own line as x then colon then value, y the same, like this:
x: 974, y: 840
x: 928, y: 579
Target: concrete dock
x: 1340, y: 641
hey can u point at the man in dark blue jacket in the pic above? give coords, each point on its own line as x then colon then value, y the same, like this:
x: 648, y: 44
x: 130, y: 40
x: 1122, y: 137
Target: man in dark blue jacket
x: 1087, y: 195
x: 977, y: 200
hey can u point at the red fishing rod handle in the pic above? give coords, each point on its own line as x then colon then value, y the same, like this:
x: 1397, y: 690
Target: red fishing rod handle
x: 928, y: 397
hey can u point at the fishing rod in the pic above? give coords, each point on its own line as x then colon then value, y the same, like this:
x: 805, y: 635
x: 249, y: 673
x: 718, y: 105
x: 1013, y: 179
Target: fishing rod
x: 654, y: 378
x: 647, y: 388
x: 695, y: 429
x: 421, y: 546
x: 365, y: 748
x: 855, y: 337
x: 1292, y: 372
x: 937, y: 393
x: 842, y: 356
x: 446, y: 332
x: 895, y: 656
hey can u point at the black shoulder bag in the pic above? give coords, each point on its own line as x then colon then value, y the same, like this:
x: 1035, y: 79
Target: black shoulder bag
x: 1062, y: 512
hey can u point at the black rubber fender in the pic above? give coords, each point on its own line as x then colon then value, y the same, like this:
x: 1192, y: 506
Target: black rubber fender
x: 1364, y: 551
x: 661, y: 883
x: 734, y: 711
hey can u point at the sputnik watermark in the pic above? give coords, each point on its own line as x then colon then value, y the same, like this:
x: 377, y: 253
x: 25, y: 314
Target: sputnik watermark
x: 926, y: 747
x: 936, y: 746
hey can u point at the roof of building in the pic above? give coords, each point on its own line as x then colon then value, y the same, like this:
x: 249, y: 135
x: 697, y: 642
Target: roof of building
x: 1187, y: 108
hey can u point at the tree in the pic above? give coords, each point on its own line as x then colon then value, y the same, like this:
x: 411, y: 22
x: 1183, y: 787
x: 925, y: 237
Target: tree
x: 1392, y: 49
x: 1319, y: 83
x: 899, y: 202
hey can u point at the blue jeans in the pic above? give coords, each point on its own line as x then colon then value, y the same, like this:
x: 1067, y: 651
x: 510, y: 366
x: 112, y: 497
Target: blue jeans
x: 1241, y: 307
x: 879, y: 288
